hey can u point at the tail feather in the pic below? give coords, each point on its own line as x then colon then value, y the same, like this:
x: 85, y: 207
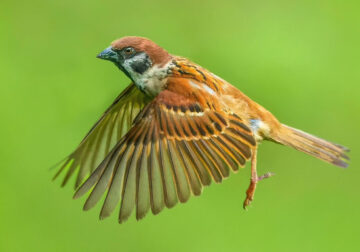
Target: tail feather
x: 314, y: 146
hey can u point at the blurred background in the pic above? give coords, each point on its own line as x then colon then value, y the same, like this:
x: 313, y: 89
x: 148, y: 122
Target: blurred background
x: 299, y: 59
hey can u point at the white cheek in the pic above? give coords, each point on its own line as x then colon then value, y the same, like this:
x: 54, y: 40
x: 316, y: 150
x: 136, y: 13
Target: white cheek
x: 127, y: 66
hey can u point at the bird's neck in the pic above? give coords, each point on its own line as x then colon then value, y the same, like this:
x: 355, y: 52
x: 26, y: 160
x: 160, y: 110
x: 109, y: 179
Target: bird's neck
x: 153, y: 80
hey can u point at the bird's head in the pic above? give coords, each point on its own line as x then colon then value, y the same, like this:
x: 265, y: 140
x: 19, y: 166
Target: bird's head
x: 135, y: 55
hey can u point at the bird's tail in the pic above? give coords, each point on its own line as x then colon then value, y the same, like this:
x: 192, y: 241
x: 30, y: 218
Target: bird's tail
x: 312, y: 145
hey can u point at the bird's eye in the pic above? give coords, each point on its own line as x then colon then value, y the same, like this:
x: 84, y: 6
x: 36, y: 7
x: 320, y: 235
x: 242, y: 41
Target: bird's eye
x: 129, y: 51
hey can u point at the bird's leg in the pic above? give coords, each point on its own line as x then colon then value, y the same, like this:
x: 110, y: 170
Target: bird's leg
x: 253, y: 180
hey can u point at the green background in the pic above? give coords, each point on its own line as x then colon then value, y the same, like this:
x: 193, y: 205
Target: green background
x: 300, y: 60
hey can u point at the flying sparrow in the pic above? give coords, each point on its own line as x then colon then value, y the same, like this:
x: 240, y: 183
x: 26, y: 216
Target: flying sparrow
x: 172, y: 131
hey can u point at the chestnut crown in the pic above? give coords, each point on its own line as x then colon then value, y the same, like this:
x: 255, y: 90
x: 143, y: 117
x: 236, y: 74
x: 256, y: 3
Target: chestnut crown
x: 157, y: 54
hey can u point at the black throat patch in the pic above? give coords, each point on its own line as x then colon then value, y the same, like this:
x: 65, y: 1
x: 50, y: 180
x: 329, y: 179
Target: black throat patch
x: 141, y: 64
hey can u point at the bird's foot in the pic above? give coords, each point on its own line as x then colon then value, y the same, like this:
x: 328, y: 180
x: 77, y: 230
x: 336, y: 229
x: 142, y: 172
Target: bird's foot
x: 251, y: 189
x: 266, y: 175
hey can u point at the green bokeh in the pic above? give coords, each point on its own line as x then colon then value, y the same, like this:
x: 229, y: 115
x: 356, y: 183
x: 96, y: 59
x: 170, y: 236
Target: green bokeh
x: 301, y: 60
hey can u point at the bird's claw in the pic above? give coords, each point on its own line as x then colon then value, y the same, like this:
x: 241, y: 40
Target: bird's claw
x: 266, y: 175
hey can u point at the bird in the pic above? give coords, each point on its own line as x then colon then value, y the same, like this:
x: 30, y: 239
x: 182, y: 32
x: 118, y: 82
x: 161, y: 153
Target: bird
x: 174, y: 130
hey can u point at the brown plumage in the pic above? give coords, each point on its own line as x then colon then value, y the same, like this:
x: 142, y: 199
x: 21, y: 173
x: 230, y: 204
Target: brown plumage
x: 171, y: 132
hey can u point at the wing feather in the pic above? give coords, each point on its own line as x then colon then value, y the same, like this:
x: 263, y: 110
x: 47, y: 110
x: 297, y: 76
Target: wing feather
x: 157, y: 187
x: 170, y: 152
x: 116, y: 183
x: 103, y: 136
x: 169, y: 181
x: 193, y: 177
x: 181, y: 181
x: 129, y: 184
x: 142, y: 184
x: 196, y: 163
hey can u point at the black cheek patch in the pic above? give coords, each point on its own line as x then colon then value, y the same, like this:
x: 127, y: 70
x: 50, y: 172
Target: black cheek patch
x: 140, y: 66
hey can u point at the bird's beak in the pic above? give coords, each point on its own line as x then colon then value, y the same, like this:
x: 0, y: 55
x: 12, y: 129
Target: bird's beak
x: 108, y: 54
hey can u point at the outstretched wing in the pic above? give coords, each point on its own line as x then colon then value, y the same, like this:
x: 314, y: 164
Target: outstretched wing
x: 107, y: 131
x: 177, y: 145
